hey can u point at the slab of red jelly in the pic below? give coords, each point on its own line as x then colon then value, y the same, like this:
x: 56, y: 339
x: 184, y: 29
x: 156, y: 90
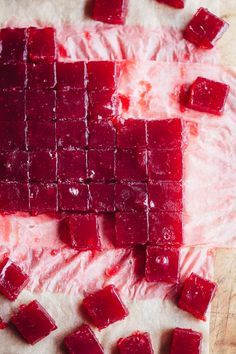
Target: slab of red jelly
x: 41, y: 76
x: 102, y: 134
x: 83, y: 341
x: 71, y: 104
x: 113, y: 12
x: 131, y: 196
x: 205, y: 29
x: 71, y: 75
x: 12, y: 103
x: 165, y: 196
x: 14, y: 197
x: 102, y: 75
x: 42, y: 166
x: 131, y: 229
x: 101, y: 197
x: 101, y: 164
x: 71, y: 134
x: 165, y: 165
x: 43, y: 197
x: 12, y: 76
x: 137, y: 343
x: 81, y: 232
x: 12, y: 135
x: 73, y: 196
x: 131, y: 164
x: 33, y: 322
x: 41, y: 105
x: 102, y: 104
x: 187, y: 339
x: 208, y: 96
x: 105, y: 307
x: 12, y: 279
x: 41, y: 135
x: 165, y: 228
x: 13, y: 166
x: 178, y: 4
x: 131, y: 133
x: 41, y: 44
x: 162, y: 264
x: 71, y: 165
x: 196, y: 295
x: 13, y: 43
x: 164, y: 134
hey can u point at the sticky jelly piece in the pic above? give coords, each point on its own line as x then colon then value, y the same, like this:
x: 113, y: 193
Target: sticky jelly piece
x: 102, y: 104
x: 165, y: 165
x: 41, y: 105
x: 43, y: 197
x: 41, y: 135
x: 12, y: 104
x: 71, y: 165
x: 137, y: 343
x: 131, y: 133
x: 73, y: 196
x: 14, y: 197
x: 131, y: 164
x: 187, y: 339
x: 12, y: 135
x: 71, y: 75
x: 164, y: 134
x: 102, y: 134
x: 113, y: 12
x: 41, y: 44
x: 71, y: 134
x: 71, y: 104
x: 165, y: 196
x: 12, y: 76
x: 131, y: 229
x: 101, y: 165
x: 102, y: 75
x: 42, y: 166
x: 41, y: 76
x: 131, y: 196
x: 13, y: 166
x: 178, y: 4
x: 13, y: 41
x: 101, y: 197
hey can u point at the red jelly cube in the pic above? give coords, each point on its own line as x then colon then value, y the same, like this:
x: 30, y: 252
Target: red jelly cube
x: 196, y: 295
x: 41, y: 44
x: 205, y: 29
x: 187, y: 339
x: 107, y: 11
x: 131, y: 133
x: 13, y: 166
x: 162, y: 264
x: 71, y: 165
x: 101, y: 134
x: 101, y: 165
x: 83, y: 341
x: 178, y: 4
x: 41, y: 135
x: 131, y: 229
x: 137, y: 343
x: 41, y: 76
x: 13, y: 45
x: 165, y: 228
x: 73, y: 196
x: 12, y: 76
x: 101, y: 197
x: 33, y: 322
x: 164, y: 134
x: 208, y: 96
x: 165, y: 196
x: 105, y: 307
x: 71, y: 104
x: 131, y: 196
x: 102, y: 75
x: 102, y: 104
x: 41, y: 105
x: 42, y: 166
x: 71, y: 134
x: 71, y: 75
x: 43, y: 197
x: 14, y: 197
x: 12, y: 279
x: 131, y: 164
x: 165, y: 165
x: 12, y: 103
x: 81, y: 232
x: 12, y: 135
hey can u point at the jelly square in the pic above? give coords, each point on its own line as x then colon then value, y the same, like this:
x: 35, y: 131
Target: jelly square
x: 102, y: 75
x: 73, y: 196
x: 196, y: 295
x: 165, y: 196
x: 33, y: 322
x: 101, y: 165
x: 164, y: 134
x: 14, y: 166
x: 71, y: 134
x: 165, y: 165
x: 162, y: 264
x: 12, y: 135
x: 71, y: 75
x: 43, y: 197
x: 12, y: 76
x: 131, y: 229
x: 131, y: 196
x: 131, y: 133
x: 187, y: 339
x: 131, y: 164
x: 41, y: 76
x: 101, y: 197
x: 42, y: 166
x: 14, y: 197
x: 41, y: 44
x: 137, y: 343
x: 83, y: 341
x: 205, y: 29
x: 177, y: 4
x: 13, y: 43
x: 102, y: 104
x: 12, y: 103
x: 105, y: 307
x: 102, y: 134
x: 41, y: 105
x: 71, y: 104
x: 41, y: 135
x: 113, y: 12
x: 71, y: 165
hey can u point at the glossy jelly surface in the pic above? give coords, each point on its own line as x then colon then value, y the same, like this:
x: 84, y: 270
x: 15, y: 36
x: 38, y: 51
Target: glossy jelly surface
x: 178, y: 4
x: 13, y: 42
x: 186, y: 341
x: 110, y: 12
x: 131, y: 229
x: 137, y: 343
x: 41, y: 44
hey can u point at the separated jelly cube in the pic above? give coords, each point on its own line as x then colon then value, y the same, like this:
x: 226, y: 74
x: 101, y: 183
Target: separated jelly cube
x: 41, y: 105
x: 102, y: 104
x: 165, y: 196
x: 131, y: 229
x: 101, y: 165
x: 13, y: 166
x: 102, y: 75
x: 131, y: 164
x: 43, y: 166
x: 165, y: 165
x: 43, y: 197
x: 71, y: 75
x: 14, y: 197
x: 73, y: 196
x: 71, y: 104
x: 71, y: 134
x: 187, y: 339
x: 13, y: 45
x: 101, y: 134
x: 164, y: 134
x: 131, y: 133
x: 107, y: 11
x: 12, y: 103
x: 131, y: 196
x: 137, y: 343
x: 12, y: 76
x: 41, y: 135
x: 41, y: 44
x: 178, y: 4
x: 101, y: 197
x: 71, y: 165
x: 41, y: 76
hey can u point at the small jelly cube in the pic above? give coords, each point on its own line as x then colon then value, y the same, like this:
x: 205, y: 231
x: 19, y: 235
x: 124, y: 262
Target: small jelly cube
x: 162, y: 264
x: 42, y: 166
x: 131, y: 229
x: 12, y: 279
x: 12, y: 76
x: 41, y: 44
x: 137, y: 343
x: 187, y: 339
x: 131, y: 133
x: 101, y: 197
x: 101, y: 165
x: 43, y: 197
x: 164, y: 134
x: 14, y: 197
x: 13, y: 166
x: 12, y: 103
x: 71, y: 75
x: 101, y: 134
x: 33, y: 322
x: 102, y: 104
x: 41, y: 105
x: 41, y: 135
x: 73, y: 196
x: 131, y: 196
x: 165, y: 196
x: 83, y: 341
x: 107, y: 11
x: 205, y: 29
x: 71, y: 134
x: 165, y: 228
x: 13, y: 45
x: 12, y: 135
x: 208, y: 96
x: 102, y: 75
x: 71, y: 104
x: 71, y: 165
x: 196, y: 295
x: 41, y: 76
x: 165, y: 165
x: 105, y: 307
x: 131, y: 164
x: 81, y: 232
x: 178, y: 4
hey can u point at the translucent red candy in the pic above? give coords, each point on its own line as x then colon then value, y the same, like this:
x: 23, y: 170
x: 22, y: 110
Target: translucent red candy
x: 73, y: 196
x: 131, y: 164
x: 13, y: 166
x: 41, y: 76
x: 14, y: 197
x: 42, y: 166
x: 102, y: 104
x: 83, y: 341
x: 71, y: 134
x: 71, y: 75
x: 102, y: 134
x: 131, y: 229
x: 186, y: 339
x: 110, y: 12
x: 43, y: 197
x: 101, y: 164
x: 131, y: 196
x: 71, y: 104
x: 12, y: 279
x: 71, y: 165
x: 137, y: 343
x: 12, y: 135
x: 101, y: 197
x: 196, y: 295
x: 164, y: 134
x: 12, y: 76
x: 165, y: 196
x: 105, y: 307
x: 13, y: 43
x: 102, y: 75
x: 41, y: 135
x: 41, y: 105
x: 165, y: 165
x: 131, y: 133
x: 12, y: 105
x: 178, y: 4
x: 41, y: 44
x: 33, y: 322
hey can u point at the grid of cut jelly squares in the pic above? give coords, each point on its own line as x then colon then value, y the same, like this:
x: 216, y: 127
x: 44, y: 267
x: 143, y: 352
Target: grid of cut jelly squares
x: 186, y: 338
x: 137, y: 343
